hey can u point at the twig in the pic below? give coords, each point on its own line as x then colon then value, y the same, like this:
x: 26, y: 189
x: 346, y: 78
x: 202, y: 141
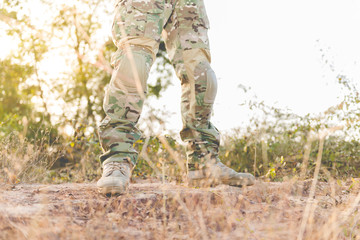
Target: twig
x: 312, y: 190
x: 307, y: 151
x: 322, y: 135
x: 173, y: 154
x: 26, y: 235
x: 144, y: 155
x: 188, y: 213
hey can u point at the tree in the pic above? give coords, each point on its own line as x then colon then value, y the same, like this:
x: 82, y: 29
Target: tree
x: 75, y: 30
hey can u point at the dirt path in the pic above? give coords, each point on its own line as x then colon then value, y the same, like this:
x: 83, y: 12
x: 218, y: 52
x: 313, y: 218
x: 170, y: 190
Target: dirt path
x: 152, y: 210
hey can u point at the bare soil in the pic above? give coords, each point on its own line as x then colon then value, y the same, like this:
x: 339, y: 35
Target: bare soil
x: 152, y: 210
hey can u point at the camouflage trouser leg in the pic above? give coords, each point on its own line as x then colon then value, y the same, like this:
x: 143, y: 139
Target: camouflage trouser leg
x: 188, y: 48
x: 123, y: 104
x: 138, y: 26
x: 137, y: 39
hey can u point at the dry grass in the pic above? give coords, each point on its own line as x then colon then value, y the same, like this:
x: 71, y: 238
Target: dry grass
x: 28, y: 161
x: 152, y: 210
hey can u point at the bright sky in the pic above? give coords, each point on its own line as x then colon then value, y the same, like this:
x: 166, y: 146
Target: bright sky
x: 274, y: 47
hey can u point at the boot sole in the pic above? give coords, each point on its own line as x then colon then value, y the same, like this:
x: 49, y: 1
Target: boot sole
x: 213, y: 183
x: 112, y: 190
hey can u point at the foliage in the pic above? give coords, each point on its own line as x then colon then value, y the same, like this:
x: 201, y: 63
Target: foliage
x: 163, y: 157
x: 274, y: 143
x: 163, y: 72
x: 285, y: 155
x: 26, y: 160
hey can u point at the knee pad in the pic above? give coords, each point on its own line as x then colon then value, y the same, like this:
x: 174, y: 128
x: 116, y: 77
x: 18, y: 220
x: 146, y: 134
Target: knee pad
x: 204, y: 74
x: 125, y: 94
x: 198, y: 70
x: 131, y: 70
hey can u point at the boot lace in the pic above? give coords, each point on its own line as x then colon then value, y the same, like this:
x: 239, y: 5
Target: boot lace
x: 113, y: 166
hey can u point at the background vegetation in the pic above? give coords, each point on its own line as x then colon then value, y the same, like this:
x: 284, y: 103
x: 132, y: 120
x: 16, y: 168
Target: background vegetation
x: 44, y: 98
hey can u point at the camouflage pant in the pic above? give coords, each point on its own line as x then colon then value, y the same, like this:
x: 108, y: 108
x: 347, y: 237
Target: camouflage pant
x: 137, y: 29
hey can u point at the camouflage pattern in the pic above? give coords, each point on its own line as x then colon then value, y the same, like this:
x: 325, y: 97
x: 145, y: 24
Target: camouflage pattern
x: 138, y: 27
x: 123, y: 105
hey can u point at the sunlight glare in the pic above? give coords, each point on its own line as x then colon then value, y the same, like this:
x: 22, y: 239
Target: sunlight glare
x: 69, y: 130
x: 7, y: 45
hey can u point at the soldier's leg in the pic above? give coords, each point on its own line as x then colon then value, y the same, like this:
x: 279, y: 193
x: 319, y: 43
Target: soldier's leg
x: 136, y: 32
x: 188, y: 48
x: 123, y: 104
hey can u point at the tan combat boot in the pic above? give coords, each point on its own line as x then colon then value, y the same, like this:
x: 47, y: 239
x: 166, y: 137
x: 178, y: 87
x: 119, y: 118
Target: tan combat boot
x: 115, y: 178
x: 217, y: 173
